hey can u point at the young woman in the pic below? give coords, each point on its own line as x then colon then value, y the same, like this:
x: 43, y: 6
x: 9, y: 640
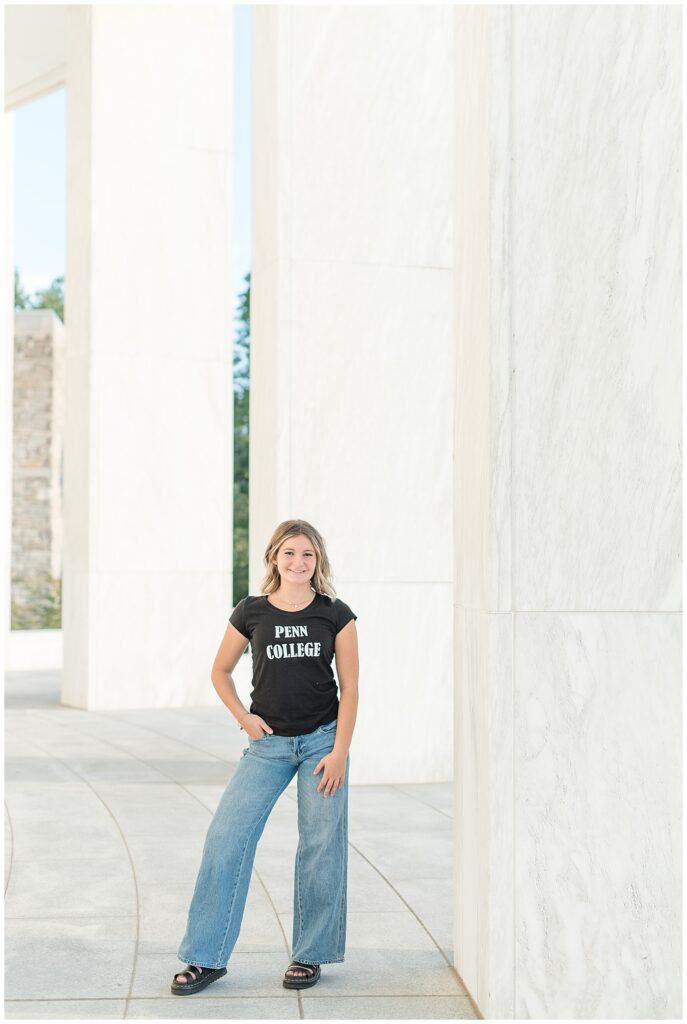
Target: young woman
x: 296, y: 725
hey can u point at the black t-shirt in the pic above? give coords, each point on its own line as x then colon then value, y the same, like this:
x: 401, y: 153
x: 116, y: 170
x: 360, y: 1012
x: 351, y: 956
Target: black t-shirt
x: 294, y: 688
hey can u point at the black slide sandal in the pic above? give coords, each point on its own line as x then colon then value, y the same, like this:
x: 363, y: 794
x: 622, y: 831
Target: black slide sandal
x: 202, y: 976
x: 296, y: 981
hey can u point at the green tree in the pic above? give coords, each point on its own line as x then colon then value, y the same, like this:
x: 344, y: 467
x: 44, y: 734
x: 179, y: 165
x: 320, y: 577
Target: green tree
x: 51, y: 297
x: 241, y: 375
x: 21, y: 298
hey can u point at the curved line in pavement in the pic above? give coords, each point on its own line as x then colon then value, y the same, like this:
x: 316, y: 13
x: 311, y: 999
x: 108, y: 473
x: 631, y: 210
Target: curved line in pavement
x: 424, y: 803
x: 9, y: 871
x: 291, y: 797
x: 126, y: 847
x: 193, y: 796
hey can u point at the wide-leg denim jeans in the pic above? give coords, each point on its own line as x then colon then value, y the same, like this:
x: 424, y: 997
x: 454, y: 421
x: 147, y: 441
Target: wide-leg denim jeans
x: 266, y: 767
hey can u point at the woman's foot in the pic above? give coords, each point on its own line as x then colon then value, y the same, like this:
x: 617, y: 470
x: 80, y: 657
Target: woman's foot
x: 195, y: 978
x: 191, y: 974
x: 296, y: 972
x: 299, y: 975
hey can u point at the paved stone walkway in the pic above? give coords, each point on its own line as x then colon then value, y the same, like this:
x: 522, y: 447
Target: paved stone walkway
x: 105, y: 818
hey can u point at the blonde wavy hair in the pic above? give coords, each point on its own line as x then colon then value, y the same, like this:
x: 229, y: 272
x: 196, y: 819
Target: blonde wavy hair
x: 321, y: 578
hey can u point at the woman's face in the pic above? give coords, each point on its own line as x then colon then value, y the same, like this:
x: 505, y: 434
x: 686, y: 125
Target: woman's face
x: 296, y: 560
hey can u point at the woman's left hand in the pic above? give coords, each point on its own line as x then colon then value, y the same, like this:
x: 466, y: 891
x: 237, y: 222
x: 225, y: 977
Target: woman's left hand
x: 334, y: 772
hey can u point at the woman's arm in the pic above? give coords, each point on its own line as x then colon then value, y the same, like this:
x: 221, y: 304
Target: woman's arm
x: 232, y: 647
x: 347, y: 668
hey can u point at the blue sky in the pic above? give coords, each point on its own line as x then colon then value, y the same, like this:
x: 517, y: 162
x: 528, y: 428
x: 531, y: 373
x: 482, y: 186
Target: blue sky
x: 41, y: 188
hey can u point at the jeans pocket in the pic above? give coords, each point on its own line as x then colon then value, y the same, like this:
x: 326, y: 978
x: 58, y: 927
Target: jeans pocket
x: 329, y: 726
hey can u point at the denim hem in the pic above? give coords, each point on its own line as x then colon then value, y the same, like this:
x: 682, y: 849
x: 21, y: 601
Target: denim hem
x: 338, y: 960
x: 198, y: 963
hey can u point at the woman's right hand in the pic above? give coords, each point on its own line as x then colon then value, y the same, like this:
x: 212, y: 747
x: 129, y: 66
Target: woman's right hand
x: 255, y: 726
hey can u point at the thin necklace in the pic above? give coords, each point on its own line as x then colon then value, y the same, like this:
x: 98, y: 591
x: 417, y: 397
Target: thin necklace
x: 294, y: 604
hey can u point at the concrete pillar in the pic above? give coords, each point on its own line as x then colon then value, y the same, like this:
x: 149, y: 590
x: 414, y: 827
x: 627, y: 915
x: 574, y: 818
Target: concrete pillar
x: 149, y: 324
x: 567, y: 527
x: 351, y: 344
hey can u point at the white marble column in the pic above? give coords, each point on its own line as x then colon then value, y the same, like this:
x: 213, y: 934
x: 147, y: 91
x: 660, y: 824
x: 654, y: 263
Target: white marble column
x: 149, y: 318
x: 351, y: 344
x: 568, y: 510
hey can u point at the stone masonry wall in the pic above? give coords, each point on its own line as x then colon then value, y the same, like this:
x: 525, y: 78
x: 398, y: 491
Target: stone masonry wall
x: 38, y: 425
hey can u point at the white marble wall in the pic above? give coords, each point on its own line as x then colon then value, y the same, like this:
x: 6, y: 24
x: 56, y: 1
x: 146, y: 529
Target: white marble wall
x: 568, y: 510
x: 149, y: 316
x: 351, y: 344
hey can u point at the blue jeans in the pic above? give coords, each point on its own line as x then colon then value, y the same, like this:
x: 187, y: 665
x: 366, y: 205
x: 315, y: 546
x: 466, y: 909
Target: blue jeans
x: 266, y: 767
